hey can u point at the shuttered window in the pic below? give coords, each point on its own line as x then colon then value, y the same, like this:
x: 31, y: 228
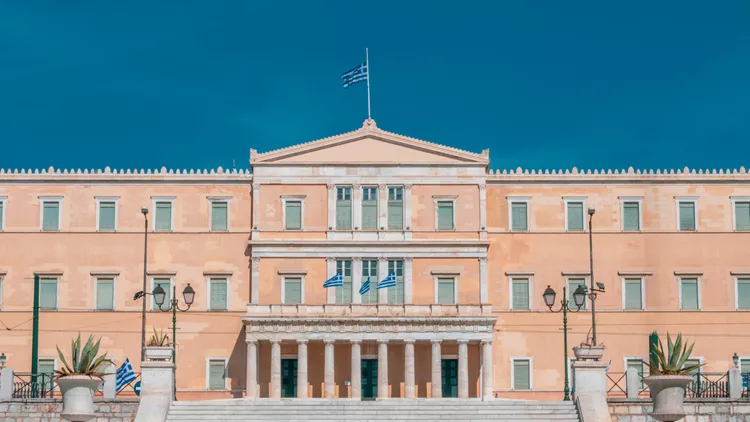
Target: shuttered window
x: 50, y: 216
x: 745, y: 368
x: 107, y: 216
x: 163, y: 217
x: 218, y: 292
x: 446, y: 294
x: 519, y: 216
x: 639, y: 366
x: 370, y: 208
x: 293, y: 213
x: 520, y: 292
x: 396, y: 293
x: 344, y: 293
x: 216, y: 374
x: 742, y: 216
x: 445, y: 215
x: 573, y: 284
x: 687, y: 216
x: 46, y: 366
x: 48, y: 293
x: 219, y: 216
x: 343, y: 208
x: 395, y: 208
x: 105, y: 294
x: 633, y: 297
x: 165, y: 284
x: 370, y: 269
x: 631, y: 216
x: 689, y: 294
x: 575, y: 216
x: 292, y: 290
x: 521, y: 374
x: 743, y: 293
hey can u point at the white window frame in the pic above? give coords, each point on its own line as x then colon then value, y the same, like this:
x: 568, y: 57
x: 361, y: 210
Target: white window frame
x: 293, y: 274
x: 513, y: 359
x: 582, y: 199
x: 435, y: 277
x: 226, y: 369
x: 351, y: 209
x: 99, y: 200
x: 42, y: 201
x: 208, y: 290
x: 741, y: 359
x: 698, y: 277
x: 623, y: 200
x: 154, y: 200
x: 57, y: 277
x: 529, y: 277
x: 519, y: 199
x: 403, y: 206
x: 694, y: 200
x: 4, y: 202
x: 96, y: 278
x: 444, y: 198
x: 211, y: 201
x: 377, y: 206
x: 152, y: 305
x: 734, y: 200
x: 737, y: 278
x: 644, y: 364
x: 643, y: 292
x: 294, y: 198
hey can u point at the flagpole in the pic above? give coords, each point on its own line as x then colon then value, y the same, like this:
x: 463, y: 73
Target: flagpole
x: 367, y: 64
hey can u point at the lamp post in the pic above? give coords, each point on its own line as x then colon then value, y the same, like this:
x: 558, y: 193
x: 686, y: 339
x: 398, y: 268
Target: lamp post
x: 188, y: 295
x: 579, y: 296
x: 144, y: 211
x: 598, y: 287
x: 4, y: 359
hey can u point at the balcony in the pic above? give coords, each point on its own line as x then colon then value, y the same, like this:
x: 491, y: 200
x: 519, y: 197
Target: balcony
x: 364, y: 311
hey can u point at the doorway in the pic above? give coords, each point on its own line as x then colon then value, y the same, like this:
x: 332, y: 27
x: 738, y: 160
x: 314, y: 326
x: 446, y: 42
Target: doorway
x: 288, y: 378
x: 449, y: 369
x: 369, y: 379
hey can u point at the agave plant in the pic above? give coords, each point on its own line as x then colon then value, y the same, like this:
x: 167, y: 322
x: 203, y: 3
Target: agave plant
x: 159, y: 339
x: 674, y: 362
x: 86, y: 361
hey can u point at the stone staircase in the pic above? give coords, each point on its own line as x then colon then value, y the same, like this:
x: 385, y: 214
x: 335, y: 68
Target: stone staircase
x: 387, y: 410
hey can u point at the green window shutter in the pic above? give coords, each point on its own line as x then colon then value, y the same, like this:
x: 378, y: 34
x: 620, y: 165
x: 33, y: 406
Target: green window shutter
x: 216, y: 377
x: 48, y: 293
x: 689, y: 292
x: 575, y: 216
x: 219, y: 216
x: 631, y: 221
x: 573, y: 284
x: 446, y: 291
x: 344, y: 293
x: 163, y: 216
x: 445, y: 215
x: 218, y: 294
x: 742, y: 216
x: 105, y: 294
x: 633, y: 294
x: 166, y: 285
x: 293, y: 215
x: 521, y: 375
x: 687, y: 216
x: 106, y: 216
x: 369, y: 215
x: 344, y: 215
x: 519, y: 217
x: 370, y: 269
x: 396, y: 293
x: 520, y: 294
x: 395, y: 215
x: 743, y: 293
x: 51, y: 216
x: 292, y: 290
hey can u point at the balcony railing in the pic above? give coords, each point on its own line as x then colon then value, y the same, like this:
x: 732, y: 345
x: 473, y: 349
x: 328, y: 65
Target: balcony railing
x: 708, y: 385
x: 361, y: 310
x: 33, y: 386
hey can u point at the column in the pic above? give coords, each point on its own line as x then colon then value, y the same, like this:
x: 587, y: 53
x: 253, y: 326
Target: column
x: 302, y: 369
x: 407, y: 212
x: 356, y: 280
x: 437, y: 370
x: 328, y: 379
x: 409, y: 391
x: 255, y: 281
x: 487, y: 369
x: 382, y: 369
x: 275, y: 369
x: 331, y: 271
x: 252, y: 370
x: 483, y: 292
x: 408, y: 280
x: 356, y: 376
x: 463, y: 369
x: 256, y: 210
x: 382, y: 208
x: 356, y: 207
x: 483, y: 211
x: 382, y: 273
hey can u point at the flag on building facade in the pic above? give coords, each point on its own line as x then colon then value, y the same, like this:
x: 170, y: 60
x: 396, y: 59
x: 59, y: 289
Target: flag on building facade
x: 389, y: 281
x: 124, y: 375
x: 335, y: 281
x: 358, y: 74
x: 365, y: 287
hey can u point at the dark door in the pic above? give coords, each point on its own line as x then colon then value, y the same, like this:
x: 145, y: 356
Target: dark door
x: 450, y: 377
x: 288, y: 377
x: 369, y: 379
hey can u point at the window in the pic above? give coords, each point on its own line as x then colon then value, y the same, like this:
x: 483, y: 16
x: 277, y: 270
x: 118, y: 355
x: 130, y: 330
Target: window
x: 218, y: 292
x: 216, y: 378
x: 343, y: 208
x: 219, y: 214
x: 370, y: 269
x: 46, y: 367
x: 631, y: 213
x: 396, y: 293
x: 395, y: 208
x: 639, y: 365
x: 3, y: 199
x: 292, y: 290
x: 292, y: 214
x: 105, y: 293
x: 687, y: 214
x: 444, y: 213
x: 574, y: 210
x: 166, y: 284
x: 48, y: 290
x: 695, y: 373
x: 519, y: 287
x: 344, y: 293
x: 689, y: 294
x: 519, y: 214
x: 741, y: 214
x: 573, y: 284
x: 745, y: 367
x: 106, y: 214
x: 51, y: 214
x: 521, y: 377
x: 743, y: 293
x: 370, y: 208
x: 163, y: 214
x: 632, y: 294
x: 446, y: 291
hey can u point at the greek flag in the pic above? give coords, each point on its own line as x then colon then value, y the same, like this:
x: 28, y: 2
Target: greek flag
x: 124, y: 375
x: 389, y: 281
x: 358, y: 74
x: 365, y: 287
x: 335, y: 281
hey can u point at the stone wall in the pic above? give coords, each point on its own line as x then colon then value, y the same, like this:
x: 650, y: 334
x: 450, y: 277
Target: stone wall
x: 713, y: 410
x: 40, y: 410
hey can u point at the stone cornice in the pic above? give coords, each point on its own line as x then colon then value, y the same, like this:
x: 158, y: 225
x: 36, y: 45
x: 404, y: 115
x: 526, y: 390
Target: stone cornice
x: 135, y: 175
x: 630, y: 175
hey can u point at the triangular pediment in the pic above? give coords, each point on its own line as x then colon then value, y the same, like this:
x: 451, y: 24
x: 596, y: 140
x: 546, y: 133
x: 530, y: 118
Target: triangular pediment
x: 369, y: 146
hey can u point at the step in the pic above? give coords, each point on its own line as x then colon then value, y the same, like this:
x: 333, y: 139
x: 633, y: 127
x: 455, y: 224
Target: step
x: 449, y: 417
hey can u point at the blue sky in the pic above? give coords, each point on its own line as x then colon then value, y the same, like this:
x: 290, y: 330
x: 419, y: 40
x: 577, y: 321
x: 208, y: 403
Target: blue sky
x: 543, y: 84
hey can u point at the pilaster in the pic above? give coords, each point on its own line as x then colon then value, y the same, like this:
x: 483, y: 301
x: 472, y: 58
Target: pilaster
x: 382, y: 273
x: 483, y: 281
x: 407, y: 212
x: 483, y: 211
x: 256, y: 210
x: 357, y: 280
x: 356, y: 207
x: 408, y: 265
x: 255, y: 280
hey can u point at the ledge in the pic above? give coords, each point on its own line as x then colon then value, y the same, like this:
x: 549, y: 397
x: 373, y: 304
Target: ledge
x: 360, y: 310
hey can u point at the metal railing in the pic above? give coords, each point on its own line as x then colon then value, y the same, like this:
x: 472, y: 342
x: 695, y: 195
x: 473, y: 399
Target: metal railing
x: 126, y: 391
x: 616, y: 384
x: 27, y: 385
x: 708, y: 385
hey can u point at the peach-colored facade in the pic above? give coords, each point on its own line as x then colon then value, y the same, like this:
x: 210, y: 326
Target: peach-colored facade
x: 476, y: 252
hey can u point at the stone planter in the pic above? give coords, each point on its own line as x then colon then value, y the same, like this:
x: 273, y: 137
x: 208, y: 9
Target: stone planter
x: 78, y: 396
x: 158, y: 354
x: 668, y: 393
x: 585, y: 352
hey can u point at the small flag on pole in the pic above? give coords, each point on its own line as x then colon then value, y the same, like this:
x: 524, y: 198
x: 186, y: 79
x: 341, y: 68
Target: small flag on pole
x: 335, y: 281
x: 124, y: 375
x: 365, y: 287
x: 358, y: 74
x: 389, y: 281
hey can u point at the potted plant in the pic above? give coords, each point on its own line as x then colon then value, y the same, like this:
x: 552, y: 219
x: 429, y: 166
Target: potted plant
x: 669, y: 378
x: 588, y: 352
x: 158, y: 347
x: 79, y: 380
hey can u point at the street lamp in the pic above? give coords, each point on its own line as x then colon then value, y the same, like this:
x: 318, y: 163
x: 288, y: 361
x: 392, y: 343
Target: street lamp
x: 188, y: 295
x: 144, y: 211
x: 599, y: 286
x: 4, y: 359
x: 735, y: 360
x: 579, y: 296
